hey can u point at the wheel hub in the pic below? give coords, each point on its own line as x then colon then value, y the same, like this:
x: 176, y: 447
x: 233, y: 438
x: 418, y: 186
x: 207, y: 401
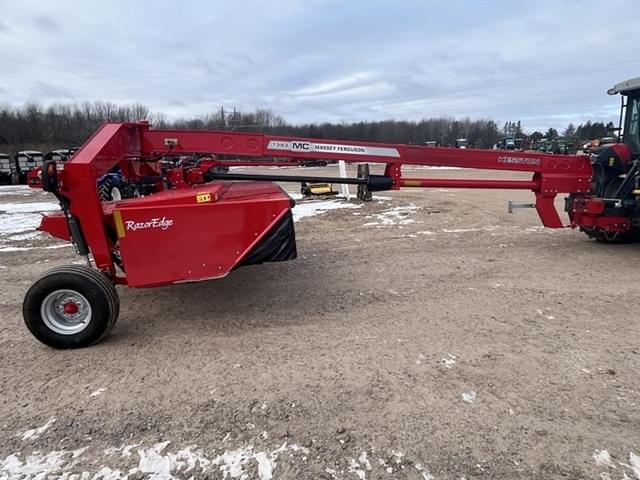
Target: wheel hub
x: 70, y: 308
x: 66, y: 312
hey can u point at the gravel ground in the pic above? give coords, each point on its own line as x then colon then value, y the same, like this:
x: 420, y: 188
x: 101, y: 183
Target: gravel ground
x: 425, y: 335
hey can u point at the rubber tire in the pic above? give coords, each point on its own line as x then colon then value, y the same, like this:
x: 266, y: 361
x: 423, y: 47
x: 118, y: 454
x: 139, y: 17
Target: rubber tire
x: 96, y: 288
x: 104, y: 190
x: 630, y: 236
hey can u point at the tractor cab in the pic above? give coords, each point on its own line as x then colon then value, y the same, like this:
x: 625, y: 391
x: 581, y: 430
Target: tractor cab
x: 630, y: 112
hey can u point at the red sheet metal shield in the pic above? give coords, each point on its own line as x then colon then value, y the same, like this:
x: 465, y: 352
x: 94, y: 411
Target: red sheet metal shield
x: 189, y: 235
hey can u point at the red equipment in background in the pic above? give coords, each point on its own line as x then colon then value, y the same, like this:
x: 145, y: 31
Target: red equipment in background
x: 196, y: 222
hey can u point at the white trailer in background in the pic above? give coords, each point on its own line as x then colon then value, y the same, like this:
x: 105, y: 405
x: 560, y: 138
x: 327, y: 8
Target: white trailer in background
x: 5, y: 168
x: 27, y: 160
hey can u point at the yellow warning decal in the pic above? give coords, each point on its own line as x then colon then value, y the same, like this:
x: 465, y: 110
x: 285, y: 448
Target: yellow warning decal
x: 203, y: 197
x: 612, y: 161
x: 117, y: 219
x: 412, y: 183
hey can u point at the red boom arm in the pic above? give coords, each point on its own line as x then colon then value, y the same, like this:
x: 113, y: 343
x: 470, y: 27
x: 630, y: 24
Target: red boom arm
x: 552, y: 174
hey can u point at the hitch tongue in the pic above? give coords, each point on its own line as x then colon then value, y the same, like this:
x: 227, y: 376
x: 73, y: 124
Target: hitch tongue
x: 512, y: 206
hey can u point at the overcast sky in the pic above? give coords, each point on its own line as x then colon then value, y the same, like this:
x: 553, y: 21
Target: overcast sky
x: 544, y: 62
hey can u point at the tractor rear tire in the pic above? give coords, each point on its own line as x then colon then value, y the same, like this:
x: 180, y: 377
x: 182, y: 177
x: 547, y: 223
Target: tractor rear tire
x: 630, y: 236
x: 71, y: 307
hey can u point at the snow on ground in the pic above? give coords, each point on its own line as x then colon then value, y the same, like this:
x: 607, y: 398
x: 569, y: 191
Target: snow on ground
x: 393, y: 216
x: 33, y: 207
x: 316, y: 207
x: 449, y: 361
x: 604, y: 459
x: 469, y: 396
x: 634, y: 463
x: 34, y: 433
x: 17, y: 218
x: 16, y: 190
x: 97, y: 393
x: 15, y: 249
x: 160, y: 462
x: 154, y: 462
x: 312, y: 208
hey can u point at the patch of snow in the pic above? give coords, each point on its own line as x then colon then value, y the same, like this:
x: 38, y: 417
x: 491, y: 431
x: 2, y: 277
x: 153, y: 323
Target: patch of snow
x: 15, y: 249
x: 312, y: 208
x: 265, y: 467
x: 34, y: 466
x: 98, y: 392
x: 425, y: 474
x: 354, y: 467
x: 23, y: 190
x: 124, y: 450
x: 397, y: 455
x: 545, y: 315
x: 393, y: 216
x: 24, y: 236
x: 18, y: 223
x: 33, y: 207
x: 602, y: 457
x: 449, y: 361
x: 159, y: 463
x: 36, y: 432
x: 469, y: 396
x: 11, y: 248
x: 364, y: 460
x: 20, y: 217
x: 634, y: 463
x: 105, y: 473
x: 231, y: 463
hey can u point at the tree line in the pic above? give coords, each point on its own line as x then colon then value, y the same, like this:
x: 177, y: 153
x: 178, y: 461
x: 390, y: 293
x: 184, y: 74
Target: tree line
x: 64, y: 125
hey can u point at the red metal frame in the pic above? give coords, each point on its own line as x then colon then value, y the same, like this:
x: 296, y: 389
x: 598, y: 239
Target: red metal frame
x: 136, y: 148
x: 552, y: 174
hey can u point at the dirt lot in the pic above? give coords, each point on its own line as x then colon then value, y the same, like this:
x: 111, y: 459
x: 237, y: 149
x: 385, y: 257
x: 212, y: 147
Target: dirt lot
x: 425, y: 335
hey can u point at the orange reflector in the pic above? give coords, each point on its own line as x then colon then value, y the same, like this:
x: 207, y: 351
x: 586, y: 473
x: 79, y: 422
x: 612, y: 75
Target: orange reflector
x: 117, y: 219
x: 412, y: 183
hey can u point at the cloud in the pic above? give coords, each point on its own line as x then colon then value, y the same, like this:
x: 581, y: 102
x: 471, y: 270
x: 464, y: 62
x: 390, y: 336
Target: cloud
x: 4, y: 28
x: 45, y: 23
x: 43, y: 89
x: 324, y: 60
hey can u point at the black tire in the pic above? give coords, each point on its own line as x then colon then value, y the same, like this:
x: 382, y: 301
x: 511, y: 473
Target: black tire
x: 630, y: 236
x: 88, y: 285
x: 104, y: 190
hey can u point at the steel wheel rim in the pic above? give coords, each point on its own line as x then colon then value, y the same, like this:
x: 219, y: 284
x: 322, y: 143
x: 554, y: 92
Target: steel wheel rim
x: 57, y: 312
x: 116, y: 194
